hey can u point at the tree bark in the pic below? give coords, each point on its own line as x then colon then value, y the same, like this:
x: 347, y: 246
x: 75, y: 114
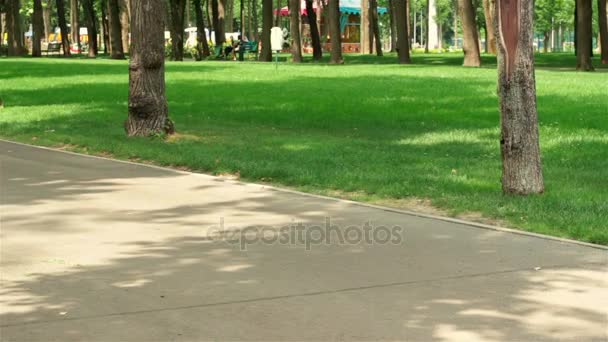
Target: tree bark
x: 13, y: 28
x: 91, y: 20
x: 125, y: 6
x: 256, y: 25
x: 365, y: 46
x: 105, y: 26
x: 488, y: 8
x: 391, y: 19
x: 47, y: 9
x: 584, y: 35
x: 317, y: 50
x: 294, y: 27
x: 177, y: 8
x: 277, y: 19
x: 74, y: 26
x: 202, y: 46
x: 520, y: 150
x: 375, y: 25
x: 116, y: 51
x: 603, y: 23
x: 63, y: 27
x: 403, y: 46
x: 266, y: 52
x: 217, y: 9
x: 470, y: 46
x: 333, y: 11
x: 148, y: 109
x: 37, y: 28
x: 229, y: 6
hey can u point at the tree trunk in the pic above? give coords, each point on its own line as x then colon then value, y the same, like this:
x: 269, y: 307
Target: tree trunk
x: 521, y: 170
x: 256, y: 25
x: 148, y: 109
x: 294, y: 27
x: 229, y: 21
x: 202, y: 46
x: 603, y: 23
x: 391, y: 20
x: 47, y: 9
x: 116, y: 50
x: 104, y: 26
x: 266, y: 52
x: 584, y: 35
x: 74, y: 26
x: 470, y: 37
x: 373, y: 8
x: 403, y: 46
x: 217, y: 9
x: 13, y: 28
x: 546, y: 37
x: 333, y: 11
x: 489, y: 10
x: 125, y: 7
x: 37, y: 28
x: 63, y: 27
x: 317, y: 51
x: 91, y: 20
x: 365, y: 46
x: 177, y: 8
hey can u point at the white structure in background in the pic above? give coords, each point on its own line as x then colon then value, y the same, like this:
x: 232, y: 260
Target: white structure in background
x: 433, y: 35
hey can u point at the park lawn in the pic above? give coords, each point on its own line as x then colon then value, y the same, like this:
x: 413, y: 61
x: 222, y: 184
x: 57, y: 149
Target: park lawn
x: 370, y: 130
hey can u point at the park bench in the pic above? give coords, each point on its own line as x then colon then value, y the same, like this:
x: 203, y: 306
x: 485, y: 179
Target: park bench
x: 250, y: 48
x: 53, y: 47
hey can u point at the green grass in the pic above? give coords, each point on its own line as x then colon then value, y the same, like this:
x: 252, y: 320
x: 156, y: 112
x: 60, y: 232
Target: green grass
x: 370, y: 130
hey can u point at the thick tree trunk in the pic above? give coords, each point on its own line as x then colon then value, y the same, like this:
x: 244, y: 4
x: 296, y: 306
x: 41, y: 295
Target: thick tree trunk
x: 266, y: 52
x: 91, y: 20
x: 603, y: 23
x: 202, y: 46
x: 584, y: 35
x: 470, y: 44
x: 63, y: 27
x: 105, y: 26
x: 317, y: 51
x: 391, y: 20
x: 125, y: 6
x: 37, y: 28
x: 521, y: 171
x: 365, y: 46
x: 217, y: 9
x: 177, y: 8
x: 148, y: 110
x: 333, y: 11
x: 489, y: 11
x: 116, y: 50
x: 294, y: 27
x: 375, y: 25
x: 74, y: 26
x: 13, y: 28
x: 47, y: 9
x: 403, y: 45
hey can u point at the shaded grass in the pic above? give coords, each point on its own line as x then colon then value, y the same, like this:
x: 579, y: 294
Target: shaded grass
x: 369, y: 132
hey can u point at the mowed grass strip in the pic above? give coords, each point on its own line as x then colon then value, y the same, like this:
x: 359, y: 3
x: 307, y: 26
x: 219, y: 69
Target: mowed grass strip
x: 370, y: 130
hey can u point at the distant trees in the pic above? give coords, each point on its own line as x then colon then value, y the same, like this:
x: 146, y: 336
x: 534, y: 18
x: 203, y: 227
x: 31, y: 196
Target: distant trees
x: 63, y: 27
x: 177, y: 8
x: 470, y: 45
x: 202, y: 46
x: 584, y: 35
x: 294, y: 27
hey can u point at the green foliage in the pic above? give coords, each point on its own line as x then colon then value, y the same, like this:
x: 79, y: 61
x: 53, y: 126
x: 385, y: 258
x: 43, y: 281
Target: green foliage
x: 370, y: 130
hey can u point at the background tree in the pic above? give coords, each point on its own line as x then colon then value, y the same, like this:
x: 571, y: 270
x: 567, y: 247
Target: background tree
x: 90, y: 17
x: 366, y: 44
x: 202, y: 46
x: 488, y: 9
x: 217, y: 9
x: 315, y: 36
x: 74, y: 25
x: 116, y: 50
x: 470, y: 44
x: 266, y: 52
x: 333, y: 12
x: 603, y: 28
x: 103, y: 5
x: 13, y: 28
x: 520, y: 150
x: 125, y: 8
x: 584, y: 35
x: 403, y: 45
x: 47, y: 10
x: 37, y: 28
x: 375, y: 27
x: 63, y: 27
x: 148, y: 109
x: 294, y: 28
x: 177, y: 9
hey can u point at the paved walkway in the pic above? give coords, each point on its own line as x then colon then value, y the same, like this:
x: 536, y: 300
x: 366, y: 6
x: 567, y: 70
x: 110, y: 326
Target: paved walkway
x: 97, y: 250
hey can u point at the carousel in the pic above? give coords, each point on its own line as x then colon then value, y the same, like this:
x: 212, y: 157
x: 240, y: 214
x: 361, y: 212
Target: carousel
x: 350, y: 24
